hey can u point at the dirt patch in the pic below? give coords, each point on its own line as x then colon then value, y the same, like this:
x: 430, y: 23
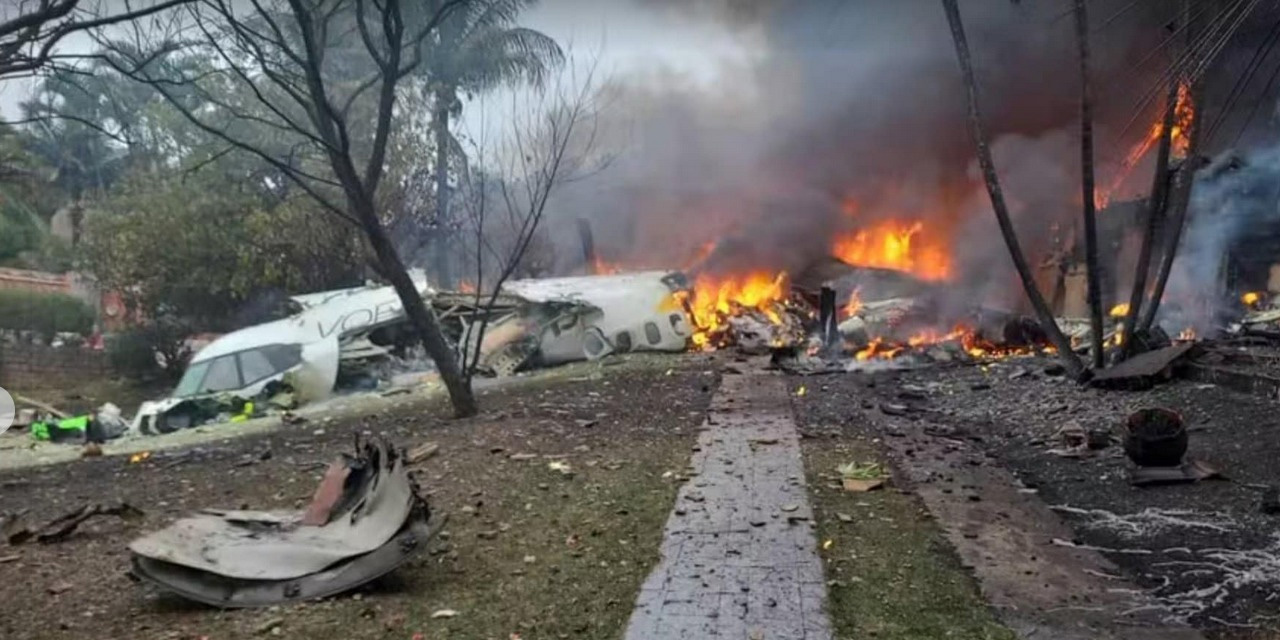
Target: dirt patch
x: 529, y: 550
x: 87, y: 397
x: 1205, y: 551
x: 890, y: 574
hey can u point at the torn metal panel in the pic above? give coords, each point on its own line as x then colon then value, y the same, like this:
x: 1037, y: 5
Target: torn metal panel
x: 1143, y: 370
x: 374, y: 506
x: 246, y: 558
x: 314, y: 378
x: 221, y: 591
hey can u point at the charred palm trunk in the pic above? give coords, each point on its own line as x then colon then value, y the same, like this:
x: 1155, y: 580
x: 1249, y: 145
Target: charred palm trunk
x: 1180, y: 196
x: 1156, y: 203
x: 1087, y: 185
x: 441, y: 237
x: 1043, y: 314
x: 1179, y: 199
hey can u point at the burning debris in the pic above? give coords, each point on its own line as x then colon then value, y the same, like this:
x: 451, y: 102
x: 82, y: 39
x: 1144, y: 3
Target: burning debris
x: 752, y: 310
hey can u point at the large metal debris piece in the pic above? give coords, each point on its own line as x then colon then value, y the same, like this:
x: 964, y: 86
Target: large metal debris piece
x: 255, y: 558
x: 1143, y: 371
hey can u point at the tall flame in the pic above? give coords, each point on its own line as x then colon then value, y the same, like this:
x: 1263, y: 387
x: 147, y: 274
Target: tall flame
x: 895, y: 244
x: 1183, y: 116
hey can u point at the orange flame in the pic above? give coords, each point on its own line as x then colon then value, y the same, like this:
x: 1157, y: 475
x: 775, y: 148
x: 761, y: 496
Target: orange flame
x: 600, y: 267
x: 1183, y: 116
x: 894, y: 244
x: 966, y: 338
x: 466, y: 286
x: 854, y: 305
x: 712, y: 300
x: 878, y: 349
x: 1251, y: 298
x: 701, y: 255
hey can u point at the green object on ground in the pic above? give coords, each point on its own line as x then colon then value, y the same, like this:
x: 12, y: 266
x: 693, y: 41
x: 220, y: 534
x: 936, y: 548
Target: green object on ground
x: 864, y: 471
x: 246, y: 412
x: 59, y: 430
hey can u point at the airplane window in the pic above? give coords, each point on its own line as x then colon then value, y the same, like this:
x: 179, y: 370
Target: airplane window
x: 622, y: 341
x: 255, y: 366
x: 223, y: 375
x: 652, y: 333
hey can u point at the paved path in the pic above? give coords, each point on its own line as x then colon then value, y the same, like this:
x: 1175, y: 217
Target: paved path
x: 739, y: 558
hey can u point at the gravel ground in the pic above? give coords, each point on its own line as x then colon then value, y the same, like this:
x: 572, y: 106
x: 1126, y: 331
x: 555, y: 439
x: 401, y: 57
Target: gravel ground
x: 1206, y: 550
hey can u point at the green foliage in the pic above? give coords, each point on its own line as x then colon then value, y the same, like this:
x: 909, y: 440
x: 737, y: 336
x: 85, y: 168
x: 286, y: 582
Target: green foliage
x: 863, y: 471
x: 480, y: 47
x: 51, y: 254
x: 200, y: 247
x: 134, y: 352
x: 20, y: 231
x: 25, y: 200
x: 45, y: 313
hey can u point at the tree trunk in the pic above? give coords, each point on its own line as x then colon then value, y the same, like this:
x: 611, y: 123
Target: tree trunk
x: 442, y: 236
x: 1087, y: 186
x: 1043, y: 314
x: 1180, y: 196
x: 1179, y: 199
x: 1156, y: 204
x: 422, y: 318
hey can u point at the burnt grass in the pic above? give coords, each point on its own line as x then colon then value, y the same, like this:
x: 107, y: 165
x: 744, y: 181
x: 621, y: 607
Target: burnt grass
x: 1186, y: 549
x: 528, y: 551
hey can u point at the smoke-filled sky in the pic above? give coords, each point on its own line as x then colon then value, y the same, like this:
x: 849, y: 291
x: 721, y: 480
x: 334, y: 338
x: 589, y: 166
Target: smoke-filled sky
x: 772, y: 127
x: 804, y: 120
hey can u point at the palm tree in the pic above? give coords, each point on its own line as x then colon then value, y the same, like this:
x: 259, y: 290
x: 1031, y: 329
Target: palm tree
x: 976, y: 129
x: 477, y: 48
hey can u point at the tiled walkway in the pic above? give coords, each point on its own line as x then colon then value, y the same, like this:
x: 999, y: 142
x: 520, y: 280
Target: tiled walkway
x: 738, y: 556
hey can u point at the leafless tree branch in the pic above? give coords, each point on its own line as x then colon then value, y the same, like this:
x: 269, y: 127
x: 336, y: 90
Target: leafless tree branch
x: 29, y: 38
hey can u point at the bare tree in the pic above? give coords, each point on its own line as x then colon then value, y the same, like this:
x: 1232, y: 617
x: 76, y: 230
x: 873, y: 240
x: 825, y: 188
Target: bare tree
x: 31, y: 30
x: 552, y: 142
x: 1087, y: 186
x: 323, y: 75
x: 1043, y: 314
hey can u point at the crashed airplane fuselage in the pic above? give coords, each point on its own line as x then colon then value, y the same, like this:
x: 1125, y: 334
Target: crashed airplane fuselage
x: 536, y: 323
x: 560, y: 320
x: 308, y: 346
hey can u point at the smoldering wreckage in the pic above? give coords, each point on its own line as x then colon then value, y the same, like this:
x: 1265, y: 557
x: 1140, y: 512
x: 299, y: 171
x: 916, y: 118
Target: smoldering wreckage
x: 870, y: 307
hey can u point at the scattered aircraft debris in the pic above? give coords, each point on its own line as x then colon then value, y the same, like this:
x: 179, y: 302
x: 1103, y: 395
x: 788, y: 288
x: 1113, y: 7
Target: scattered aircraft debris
x: 366, y: 519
